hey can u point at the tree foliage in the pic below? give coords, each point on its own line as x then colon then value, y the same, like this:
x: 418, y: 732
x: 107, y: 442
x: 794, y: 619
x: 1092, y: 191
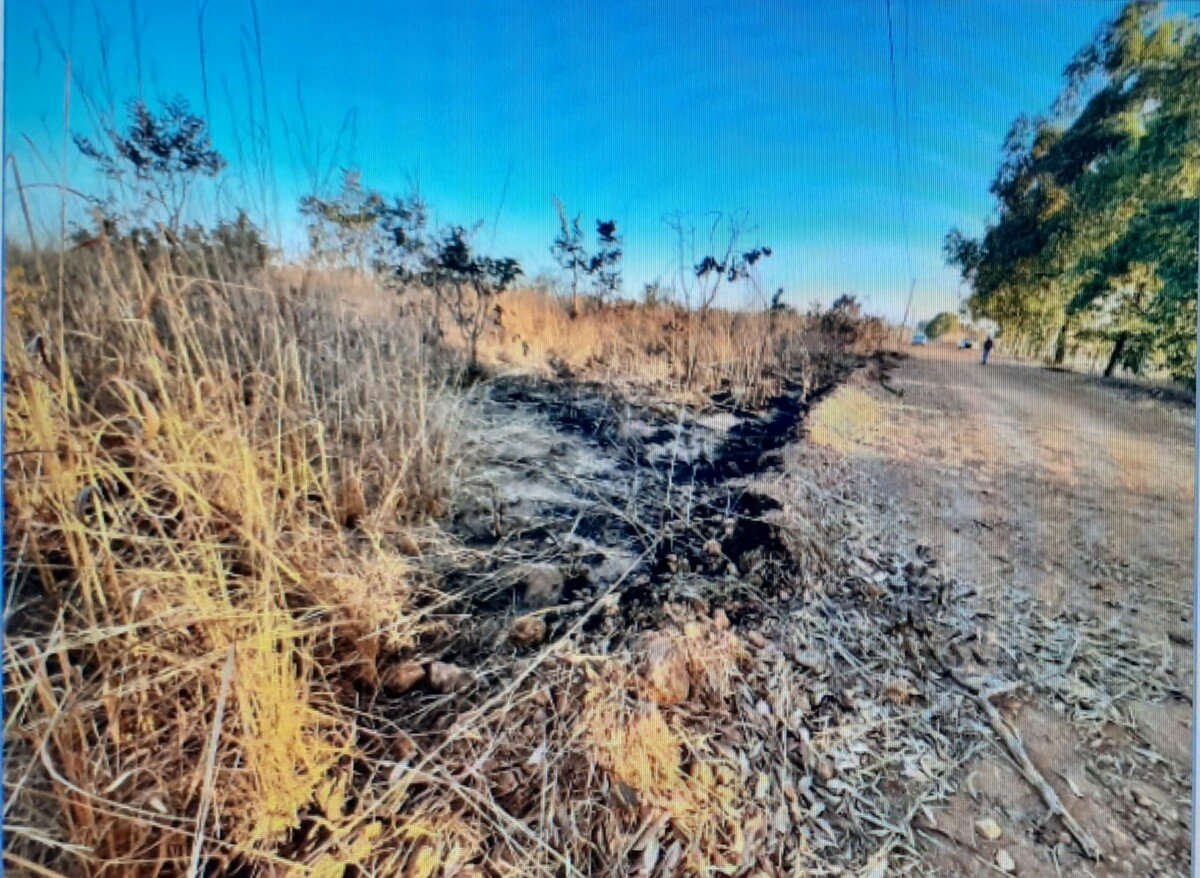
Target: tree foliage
x: 159, y: 156
x: 596, y: 272
x: 941, y: 324
x: 1095, y: 236
x: 362, y: 229
x: 467, y: 284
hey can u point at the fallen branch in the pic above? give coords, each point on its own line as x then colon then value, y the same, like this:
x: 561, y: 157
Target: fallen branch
x: 1028, y: 770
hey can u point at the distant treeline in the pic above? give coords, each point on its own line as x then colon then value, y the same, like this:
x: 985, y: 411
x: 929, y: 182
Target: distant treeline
x: 1094, y: 244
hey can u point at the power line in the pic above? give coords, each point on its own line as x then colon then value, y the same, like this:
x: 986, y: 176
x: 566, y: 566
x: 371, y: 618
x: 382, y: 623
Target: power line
x: 900, y: 177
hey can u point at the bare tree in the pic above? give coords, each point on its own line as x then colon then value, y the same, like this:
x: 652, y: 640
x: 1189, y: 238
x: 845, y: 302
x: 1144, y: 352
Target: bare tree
x: 702, y: 278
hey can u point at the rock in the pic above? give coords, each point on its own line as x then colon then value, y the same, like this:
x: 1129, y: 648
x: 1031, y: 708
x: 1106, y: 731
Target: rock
x: 402, y: 677
x: 1004, y: 862
x: 527, y: 631
x: 825, y: 770
x: 713, y: 548
x: 720, y: 620
x: 543, y: 585
x: 666, y: 673
x: 988, y: 828
x: 756, y: 640
x: 408, y: 546
x: 446, y: 678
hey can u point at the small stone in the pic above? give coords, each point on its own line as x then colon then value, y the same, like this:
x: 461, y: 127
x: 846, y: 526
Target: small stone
x: 446, y: 678
x: 810, y: 660
x: 720, y: 620
x: 713, y: 548
x: 825, y: 770
x: 543, y: 585
x: 527, y: 631
x: 756, y: 640
x: 1004, y: 862
x: 402, y: 677
x: 988, y: 828
x: 408, y: 546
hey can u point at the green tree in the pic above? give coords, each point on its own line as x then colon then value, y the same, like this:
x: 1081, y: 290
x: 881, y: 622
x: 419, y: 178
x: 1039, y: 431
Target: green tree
x: 570, y: 253
x: 1095, y: 236
x: 941, y: 324
x: 598, y: 272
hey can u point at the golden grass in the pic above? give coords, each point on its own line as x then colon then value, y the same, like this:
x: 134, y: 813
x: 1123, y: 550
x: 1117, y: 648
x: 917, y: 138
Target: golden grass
x: 209, y: 487
x: 662, y: 347
x: 850, y: 419
x: 183, y: 597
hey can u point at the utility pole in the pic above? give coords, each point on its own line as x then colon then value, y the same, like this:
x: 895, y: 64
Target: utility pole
x: 1196, y: 581
x: 904, y: 322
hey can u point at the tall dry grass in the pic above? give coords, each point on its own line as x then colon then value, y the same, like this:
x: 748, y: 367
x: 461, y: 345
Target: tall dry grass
x: 211, y: 480
x: 750, y: 355
x: 185, y: 605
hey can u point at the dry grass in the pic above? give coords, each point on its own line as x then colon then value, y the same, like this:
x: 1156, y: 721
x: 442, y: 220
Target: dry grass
x: 185, y: 606
x: 213, y: 574
x: 849, y: 419
x: 750, y: 355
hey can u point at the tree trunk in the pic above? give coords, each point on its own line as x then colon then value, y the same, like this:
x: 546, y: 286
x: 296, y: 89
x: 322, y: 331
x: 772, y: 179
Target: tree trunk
x: 1115, y: 358
x: 1060, y: 346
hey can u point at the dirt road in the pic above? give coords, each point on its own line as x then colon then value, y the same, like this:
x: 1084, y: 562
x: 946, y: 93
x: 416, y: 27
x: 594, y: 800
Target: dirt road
x: 1059, y: 497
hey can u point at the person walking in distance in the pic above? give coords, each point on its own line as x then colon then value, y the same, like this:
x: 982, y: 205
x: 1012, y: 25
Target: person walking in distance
x: 987, y: 349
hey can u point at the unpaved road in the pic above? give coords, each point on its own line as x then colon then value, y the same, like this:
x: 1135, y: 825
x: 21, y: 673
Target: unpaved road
x: 1079, y: 496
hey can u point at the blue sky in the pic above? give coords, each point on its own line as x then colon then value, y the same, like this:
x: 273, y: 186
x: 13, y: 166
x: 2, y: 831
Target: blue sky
x: 630, y: 111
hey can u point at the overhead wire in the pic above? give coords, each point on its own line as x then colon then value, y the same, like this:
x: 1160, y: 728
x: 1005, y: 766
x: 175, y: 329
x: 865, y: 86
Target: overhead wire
x: 901, y: 179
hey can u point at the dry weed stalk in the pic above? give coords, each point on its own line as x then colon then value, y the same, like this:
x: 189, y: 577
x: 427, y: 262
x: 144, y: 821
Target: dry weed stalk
x: 178, y: 472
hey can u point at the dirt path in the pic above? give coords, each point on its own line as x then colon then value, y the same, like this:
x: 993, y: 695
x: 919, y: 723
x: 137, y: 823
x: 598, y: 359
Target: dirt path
x: 1059, y: 497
